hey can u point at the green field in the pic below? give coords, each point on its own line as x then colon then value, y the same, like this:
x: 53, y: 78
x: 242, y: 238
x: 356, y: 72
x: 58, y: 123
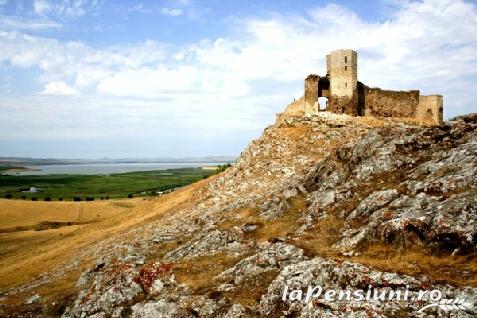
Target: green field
x: 122, y: 185
x: 8, y: 167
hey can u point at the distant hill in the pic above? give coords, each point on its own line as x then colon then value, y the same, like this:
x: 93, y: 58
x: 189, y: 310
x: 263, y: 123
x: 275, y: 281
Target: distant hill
x: 25, y: 161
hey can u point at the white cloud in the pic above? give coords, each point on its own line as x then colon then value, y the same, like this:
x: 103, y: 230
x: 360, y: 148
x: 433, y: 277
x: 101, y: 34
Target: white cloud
x: 18, y: 23
x: 65, y: 8
x: 58, y: 88
x: 240, y: 80
x: 173, y: 12
x: 41, y: 6
x: 139, y: 8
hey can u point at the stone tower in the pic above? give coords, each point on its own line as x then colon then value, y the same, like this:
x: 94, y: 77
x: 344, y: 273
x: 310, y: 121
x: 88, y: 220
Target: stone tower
x: 342, y: 67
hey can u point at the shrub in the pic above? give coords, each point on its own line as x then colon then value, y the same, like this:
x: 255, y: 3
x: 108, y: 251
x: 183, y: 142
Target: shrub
x: 47, y: 199
x: 76, y: 199
x: 130, y: 196
x: 60, y: 199
x: 34, y: 199
x: 8, y: 196
x: 23, y: 197
x: 224, y: 167
x: 89, y: 199
x: 106, y: 198
x: 149, y: 273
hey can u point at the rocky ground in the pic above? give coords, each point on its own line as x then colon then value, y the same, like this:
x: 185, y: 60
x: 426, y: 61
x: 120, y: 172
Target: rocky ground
x: 327, y: 200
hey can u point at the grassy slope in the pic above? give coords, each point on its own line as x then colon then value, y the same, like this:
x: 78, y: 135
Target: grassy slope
x: 96, y: 186
x: 27, y: 253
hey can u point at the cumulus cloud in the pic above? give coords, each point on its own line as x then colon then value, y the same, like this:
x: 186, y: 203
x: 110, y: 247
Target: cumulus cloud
x: 240, y: 80
x: 58, y: 88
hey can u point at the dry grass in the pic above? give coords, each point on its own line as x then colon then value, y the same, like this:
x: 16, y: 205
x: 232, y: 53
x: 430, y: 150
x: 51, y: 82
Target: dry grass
x: 455, y: 270
x: 198, y: 272
x: 414, y: 261
x: 318, y: 239
x: 26, y: 254
x: 249, y: 292
x: 267, y: 229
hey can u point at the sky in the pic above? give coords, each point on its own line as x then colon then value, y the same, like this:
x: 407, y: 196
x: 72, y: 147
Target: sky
x: 188, y: 78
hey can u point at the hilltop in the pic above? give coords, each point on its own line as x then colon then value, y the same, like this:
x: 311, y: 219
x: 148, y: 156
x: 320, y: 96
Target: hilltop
x: 318, y: 199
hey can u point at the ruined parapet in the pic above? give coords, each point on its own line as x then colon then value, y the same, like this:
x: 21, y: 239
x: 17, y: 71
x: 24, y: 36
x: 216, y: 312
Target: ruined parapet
x: 386, y: 103
x: 295, y: 108
x: 311, y: 94
x: 342, y: 67
x: 430, y: 108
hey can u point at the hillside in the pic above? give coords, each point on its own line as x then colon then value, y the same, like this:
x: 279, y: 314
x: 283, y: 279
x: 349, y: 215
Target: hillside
x: 343, y: 202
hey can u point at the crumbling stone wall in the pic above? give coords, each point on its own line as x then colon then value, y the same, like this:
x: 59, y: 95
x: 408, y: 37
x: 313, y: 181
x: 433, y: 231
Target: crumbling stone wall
x: 430, y: 108
x: 311, y: 93
x: 385, y: 103
x: 344, y: 104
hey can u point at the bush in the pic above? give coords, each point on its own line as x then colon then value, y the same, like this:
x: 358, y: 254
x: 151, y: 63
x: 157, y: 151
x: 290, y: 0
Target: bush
x: 60, y: 199
x: 106, y: 198
x: 89, y: 199
x: 34, y: 199
x: 8, y: 196
x: 130, y: 196
x: 224, y: 167
x: 47, y: 199
x: 23, y: 197
x: 76, y: 199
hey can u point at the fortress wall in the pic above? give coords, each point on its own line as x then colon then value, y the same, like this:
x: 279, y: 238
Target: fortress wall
x: 311, y: 93
x: 431, y: 108
x: 386, y: 103
x: 344, y: 104
x: 296, y: 107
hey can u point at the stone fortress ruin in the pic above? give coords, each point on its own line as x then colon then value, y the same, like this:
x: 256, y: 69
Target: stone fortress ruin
x: 340, y: 92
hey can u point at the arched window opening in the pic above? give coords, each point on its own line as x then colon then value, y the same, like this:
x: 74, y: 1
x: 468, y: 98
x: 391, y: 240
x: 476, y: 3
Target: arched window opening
x: 322, y: 103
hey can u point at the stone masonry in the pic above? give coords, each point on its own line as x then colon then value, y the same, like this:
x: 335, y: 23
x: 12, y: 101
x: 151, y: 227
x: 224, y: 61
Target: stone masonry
x: 346, y: 95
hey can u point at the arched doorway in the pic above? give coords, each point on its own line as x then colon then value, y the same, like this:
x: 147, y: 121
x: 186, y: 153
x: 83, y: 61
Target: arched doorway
x: 322, y: 103
x: 324, y: 87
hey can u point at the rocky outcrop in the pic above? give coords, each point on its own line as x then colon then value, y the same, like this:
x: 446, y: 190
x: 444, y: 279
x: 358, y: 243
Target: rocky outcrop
x: 310, y: 193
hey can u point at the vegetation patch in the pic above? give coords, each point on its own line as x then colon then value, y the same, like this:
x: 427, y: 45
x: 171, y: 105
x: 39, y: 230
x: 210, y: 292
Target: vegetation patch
x: 91, y: 187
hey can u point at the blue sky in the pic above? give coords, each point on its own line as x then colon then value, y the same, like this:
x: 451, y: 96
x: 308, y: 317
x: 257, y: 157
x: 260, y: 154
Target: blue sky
x: 92, y: 78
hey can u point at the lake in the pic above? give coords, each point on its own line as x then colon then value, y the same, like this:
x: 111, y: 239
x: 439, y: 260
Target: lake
x: 110, y: 168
